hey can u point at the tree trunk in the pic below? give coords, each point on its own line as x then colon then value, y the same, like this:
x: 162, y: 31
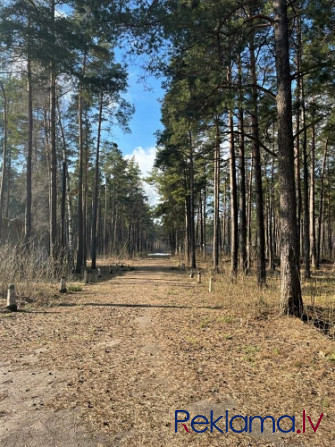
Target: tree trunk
x: 242, y: 208
x: 86, y: 221
x: 261, y: 272
x: 249, y: 214
x: 297, y: 139
x: 216, y: 219
x: 192, y: 230
x: 307, y: 265
x: 105, y: 239
x: 204, y: 229
x: 201, y: 225
x: 271, y: 221
x: 80, y: 251
x: 9, y: 172
x: 66, y: 200
x: 233, y: 192
x: 53, y: 153
x: 96, y: 190
x: 312, y: 236
x: 320, y: 217
x: 291, y: 299
x: 4, y: 170
x: 28, y: 216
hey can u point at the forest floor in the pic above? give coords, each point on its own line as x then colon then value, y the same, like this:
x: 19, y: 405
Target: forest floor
x: 108, y: 365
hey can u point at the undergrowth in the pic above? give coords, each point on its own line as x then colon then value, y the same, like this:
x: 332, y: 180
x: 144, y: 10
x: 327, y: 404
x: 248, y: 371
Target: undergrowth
x: 242, y: 298
x: 31, y: 271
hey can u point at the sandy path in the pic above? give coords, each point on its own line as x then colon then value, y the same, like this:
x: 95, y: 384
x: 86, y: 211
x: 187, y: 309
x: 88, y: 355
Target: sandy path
x: 54, y: 359
x: 108, y: 366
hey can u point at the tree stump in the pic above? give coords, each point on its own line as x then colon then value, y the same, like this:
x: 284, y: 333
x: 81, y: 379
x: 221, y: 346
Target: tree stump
x: 192, y: 274
x: 11, y: 298
x: 62, y: 287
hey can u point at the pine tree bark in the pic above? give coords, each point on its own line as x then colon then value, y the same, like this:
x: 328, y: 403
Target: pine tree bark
x: 312, y: 235
x: 66, y: 225
x: 261, y: 270
x: 80, y: 251
x: 233, y: 192
x: 216, y: 219
x: 306, y: 247
x: 28, y: 214
x: 291, y: 299
x: 4, y: 170
x: 271, y: 221
x: 192, y: 229
x: 86, y: 221
x: 53, y: 153
x: 249, y: 215
x: 321, y: 206
x: 96, y: 190
x: 297, y: 139
x: 242, y: 207
x: 204, y: 226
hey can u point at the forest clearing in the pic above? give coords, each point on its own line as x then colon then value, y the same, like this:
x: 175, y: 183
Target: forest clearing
x: 108, y: 363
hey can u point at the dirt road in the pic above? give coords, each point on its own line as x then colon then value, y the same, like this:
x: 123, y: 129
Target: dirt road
x: 109, y: 366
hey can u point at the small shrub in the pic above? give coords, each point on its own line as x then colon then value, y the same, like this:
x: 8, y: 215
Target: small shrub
x: 74, y: 288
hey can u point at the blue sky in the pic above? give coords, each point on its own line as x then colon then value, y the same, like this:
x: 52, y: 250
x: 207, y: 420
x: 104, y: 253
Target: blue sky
x: 144, y: 92
x: 144, y: 95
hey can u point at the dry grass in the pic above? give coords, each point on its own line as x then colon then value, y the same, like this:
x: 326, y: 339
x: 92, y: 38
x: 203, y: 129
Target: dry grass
x: 34, y: 276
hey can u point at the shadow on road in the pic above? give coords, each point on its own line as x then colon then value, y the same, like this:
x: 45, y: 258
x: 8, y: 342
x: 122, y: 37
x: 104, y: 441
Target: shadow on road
x: 151, y: 306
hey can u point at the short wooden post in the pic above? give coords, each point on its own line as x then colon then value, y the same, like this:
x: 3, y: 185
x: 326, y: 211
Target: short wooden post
x: 99, y: 273
x: 192, y: 274
x: 86, y: 276
x: 11, y: 298
x: 62, y: 287
x: 199, y: 277
x: 210, y: 287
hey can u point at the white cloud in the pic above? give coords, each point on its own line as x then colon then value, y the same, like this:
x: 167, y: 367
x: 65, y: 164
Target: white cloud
x: 145, y: 157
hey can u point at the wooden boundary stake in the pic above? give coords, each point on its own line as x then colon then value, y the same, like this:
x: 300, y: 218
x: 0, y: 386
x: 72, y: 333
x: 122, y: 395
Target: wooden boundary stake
x: 11, y: 298
x: 62, y: 287
x: 86, y: 276
x: 99, y: 273
x: 199, y: 277
x: 210, y: 287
